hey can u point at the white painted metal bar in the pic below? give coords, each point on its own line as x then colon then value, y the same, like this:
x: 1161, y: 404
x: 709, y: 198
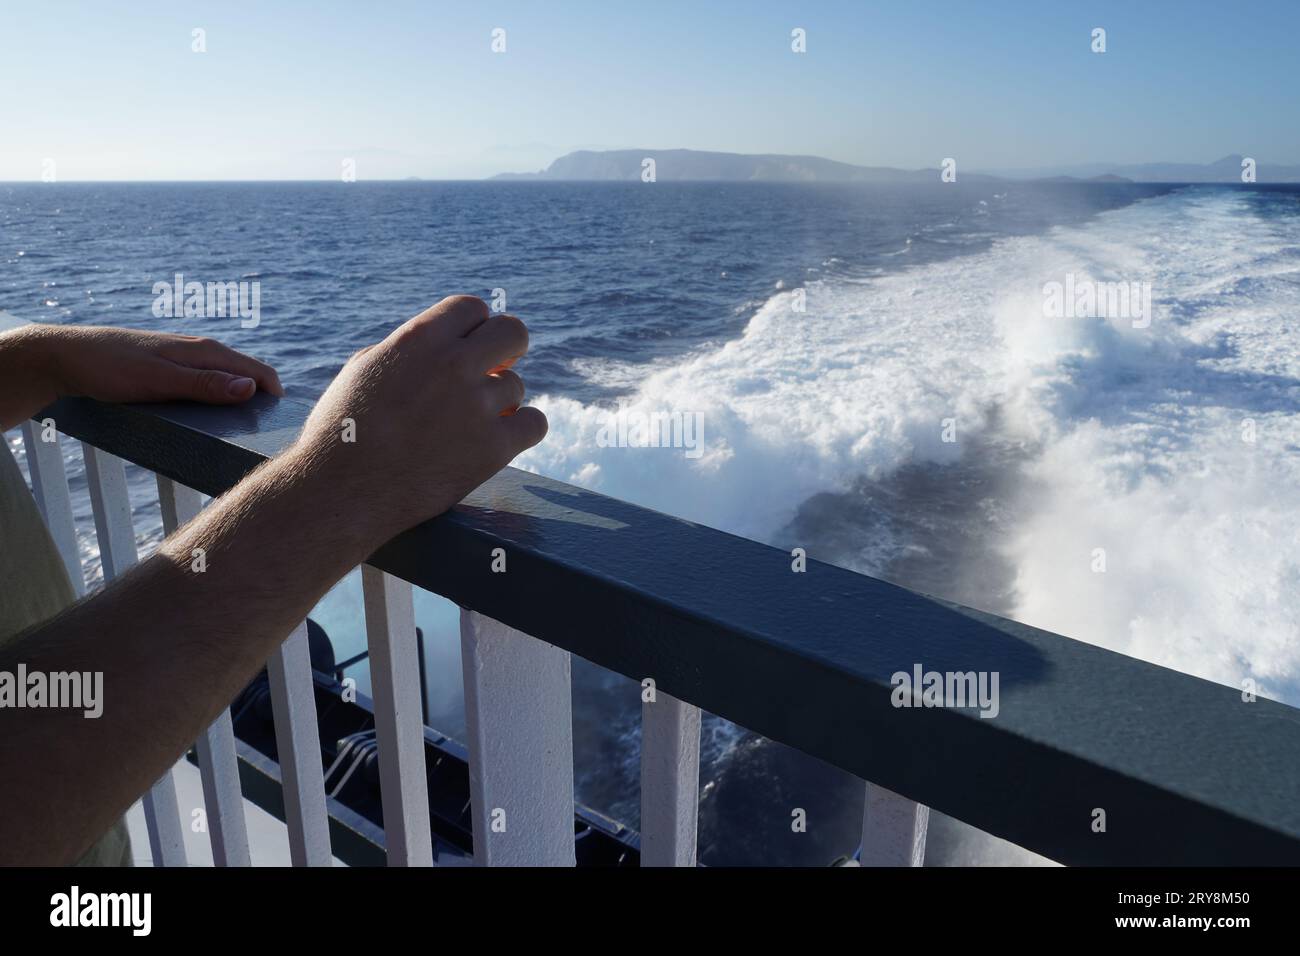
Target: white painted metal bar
x: 518, y: 712
x: 162, y: 818
x: 115, y: 532
x: 893, y: 829
x: 114, y: 529
x: 218, y: 759
x: 399, y: 718
x: 178, y: 503
x: 670, y: 779
x: 293, y: 704
x: 222, y: 795
x: 50, y: 486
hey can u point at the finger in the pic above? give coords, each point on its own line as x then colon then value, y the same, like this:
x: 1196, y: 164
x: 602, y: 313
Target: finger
x: 212, y: 386
x: 498, y: 341
x: 210, y: 354
x: 452, y: 318
x: 505, y: 391
x: 527, y: 427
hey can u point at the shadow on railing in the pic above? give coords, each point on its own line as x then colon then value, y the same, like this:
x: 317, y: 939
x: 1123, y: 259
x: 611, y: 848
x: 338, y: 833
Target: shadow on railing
x: 1185, y: 771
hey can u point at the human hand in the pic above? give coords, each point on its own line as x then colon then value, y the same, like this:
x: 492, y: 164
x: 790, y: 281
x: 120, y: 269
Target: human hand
x: 44, y: 362
x: 123, y: 365
x: 434, y: 412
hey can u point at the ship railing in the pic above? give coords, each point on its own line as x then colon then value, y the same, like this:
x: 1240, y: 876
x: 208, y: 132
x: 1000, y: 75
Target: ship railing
x: 1087, y: 757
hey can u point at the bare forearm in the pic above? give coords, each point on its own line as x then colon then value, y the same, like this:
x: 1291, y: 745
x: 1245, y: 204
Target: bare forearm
x: 175, y: 645
x: 27, y: 381
x: 433, y: 410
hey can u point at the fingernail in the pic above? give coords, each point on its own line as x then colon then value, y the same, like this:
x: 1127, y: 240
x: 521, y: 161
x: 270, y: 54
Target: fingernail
x: 239, y: 387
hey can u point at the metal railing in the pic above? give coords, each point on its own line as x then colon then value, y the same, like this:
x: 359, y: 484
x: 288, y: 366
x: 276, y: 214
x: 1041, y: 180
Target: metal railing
x: 1186, y: 771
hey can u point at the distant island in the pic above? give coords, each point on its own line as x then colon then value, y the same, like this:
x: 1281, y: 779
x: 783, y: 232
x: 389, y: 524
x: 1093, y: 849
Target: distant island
x: 678, y: 165
x: 691, y: 165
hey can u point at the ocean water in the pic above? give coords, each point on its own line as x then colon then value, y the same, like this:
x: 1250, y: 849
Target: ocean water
x: 1173, y: 447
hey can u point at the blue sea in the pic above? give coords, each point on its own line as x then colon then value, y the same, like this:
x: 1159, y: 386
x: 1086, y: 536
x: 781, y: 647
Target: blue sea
x: 877, y: 380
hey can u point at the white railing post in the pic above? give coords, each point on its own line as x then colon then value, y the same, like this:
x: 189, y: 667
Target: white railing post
x: 893, y: 829
x: 223, y: 796
x: 111, y: 504
x: 297, y: 741
x: 162, y: 820
x: 50, y: 487
x: 399, y: 717
x: 518, y: 712
x: 670, y: 780
x: 115, y: 532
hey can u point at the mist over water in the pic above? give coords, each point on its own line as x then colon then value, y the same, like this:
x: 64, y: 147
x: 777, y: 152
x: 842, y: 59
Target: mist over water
x: 823, y: 429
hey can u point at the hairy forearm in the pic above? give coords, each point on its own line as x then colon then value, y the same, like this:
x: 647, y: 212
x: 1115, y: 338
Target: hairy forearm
x: 432, y: 411
x: 175, y: 645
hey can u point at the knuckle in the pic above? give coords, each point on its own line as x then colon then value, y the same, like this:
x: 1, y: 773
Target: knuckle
x: 508, y: 391
x: 208, y: 381
x: 470, y: 304
x: 513, y: 330
x: 532, y: 427
x: 408, y: 330
x: 516, y: 326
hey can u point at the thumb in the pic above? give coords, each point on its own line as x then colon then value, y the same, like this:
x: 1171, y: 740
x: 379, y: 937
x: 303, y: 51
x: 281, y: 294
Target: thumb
x: 212, y: 386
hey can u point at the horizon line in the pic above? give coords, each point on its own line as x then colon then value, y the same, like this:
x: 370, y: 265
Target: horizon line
x: 532, y: 179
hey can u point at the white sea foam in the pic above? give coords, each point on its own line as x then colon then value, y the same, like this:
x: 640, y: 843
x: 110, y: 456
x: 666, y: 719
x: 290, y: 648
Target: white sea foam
x: 1133, y: 436
x: 1144, y: 454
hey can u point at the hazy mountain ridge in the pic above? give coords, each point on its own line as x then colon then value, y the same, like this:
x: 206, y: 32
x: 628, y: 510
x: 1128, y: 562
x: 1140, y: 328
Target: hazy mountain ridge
x: 1225, y: 170
x: 680, y: 165
x: 690, y: 164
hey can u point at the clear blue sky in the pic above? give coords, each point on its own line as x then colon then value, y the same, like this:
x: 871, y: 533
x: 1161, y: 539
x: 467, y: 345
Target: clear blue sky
x: 287, y: 90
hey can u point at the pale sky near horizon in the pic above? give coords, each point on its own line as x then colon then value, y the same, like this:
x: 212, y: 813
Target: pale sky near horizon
x: 289, y: 90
